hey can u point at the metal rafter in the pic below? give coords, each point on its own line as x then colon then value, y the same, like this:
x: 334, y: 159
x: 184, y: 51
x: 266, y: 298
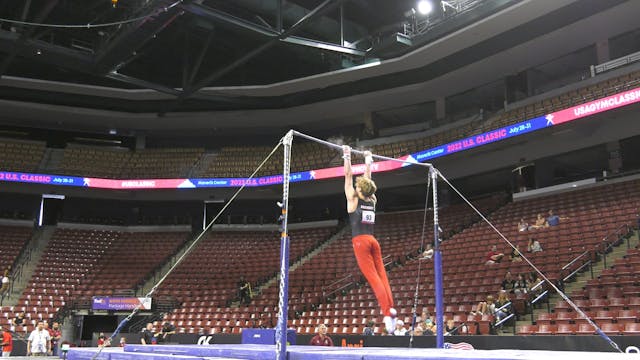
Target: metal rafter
x: 135, y: 36
x: 325, y: 6
x: 21, y: 43
x: 217, y: 15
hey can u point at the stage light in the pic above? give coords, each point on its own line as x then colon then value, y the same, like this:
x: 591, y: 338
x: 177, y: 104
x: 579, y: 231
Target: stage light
x: 425, y: 7
x: 114, y: 3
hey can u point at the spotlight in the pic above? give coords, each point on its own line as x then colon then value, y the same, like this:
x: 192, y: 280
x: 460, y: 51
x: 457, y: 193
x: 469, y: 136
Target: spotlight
x: 425, y: 7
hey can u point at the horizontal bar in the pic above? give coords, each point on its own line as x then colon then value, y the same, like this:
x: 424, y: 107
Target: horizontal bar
x: 339, y: 147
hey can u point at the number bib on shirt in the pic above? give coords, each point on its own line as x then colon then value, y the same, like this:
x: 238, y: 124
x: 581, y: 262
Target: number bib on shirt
x: 368, y: 217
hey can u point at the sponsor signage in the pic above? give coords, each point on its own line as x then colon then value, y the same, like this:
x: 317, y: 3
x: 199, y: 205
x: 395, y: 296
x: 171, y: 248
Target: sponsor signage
x: 120, y: 303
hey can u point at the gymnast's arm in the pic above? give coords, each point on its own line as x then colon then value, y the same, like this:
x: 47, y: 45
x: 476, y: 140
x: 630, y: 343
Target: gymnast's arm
x: 368, y: 160
x: 349, y: 191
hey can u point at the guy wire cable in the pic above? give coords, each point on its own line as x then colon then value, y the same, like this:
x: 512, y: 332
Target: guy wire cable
x: 189, y: 249
x: 544, y: 277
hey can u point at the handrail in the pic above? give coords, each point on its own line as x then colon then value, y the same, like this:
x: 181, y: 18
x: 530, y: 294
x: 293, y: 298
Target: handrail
x: 504, y: 319
x: 615, y: 232
x: 588, y: 263
x: 543, y: 294
x: 574, y: 260
x: 606, y: 245
x: 537, y: 298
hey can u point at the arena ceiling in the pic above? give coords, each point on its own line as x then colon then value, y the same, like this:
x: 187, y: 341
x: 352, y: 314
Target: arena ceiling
x: 178, y: 62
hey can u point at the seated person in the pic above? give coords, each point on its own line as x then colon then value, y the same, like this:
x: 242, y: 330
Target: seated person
x: 540, y: 223
x: 400, y: 329
x: 428, y: 252
x: 508, y: 282
x: 523, y: 225
x: 533, y: 246
x: 493, y: 256
x: 553, y: 219
x: 368, y: 330
x: 501, y: 311
x: 486, y: 307
x: 429, y: 326
x: 520, y: 286
x: 321, y: 338
x: 515, y: 254
x: 419, y: 331
x: 450, y: 328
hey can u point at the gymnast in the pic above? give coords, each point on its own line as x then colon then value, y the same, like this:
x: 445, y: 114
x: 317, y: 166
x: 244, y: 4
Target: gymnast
x: 361, y: 206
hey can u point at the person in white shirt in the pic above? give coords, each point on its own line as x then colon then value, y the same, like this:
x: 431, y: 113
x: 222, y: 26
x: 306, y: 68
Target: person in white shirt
x: 400, y: 329
x: 39, y: 342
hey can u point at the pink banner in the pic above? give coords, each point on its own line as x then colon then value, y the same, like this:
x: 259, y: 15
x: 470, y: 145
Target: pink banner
x: 595, y: 107
x: 138, y: 184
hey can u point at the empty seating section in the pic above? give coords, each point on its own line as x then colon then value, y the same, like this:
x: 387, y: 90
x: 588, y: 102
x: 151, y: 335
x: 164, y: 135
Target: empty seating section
x: 207, y: 280
x: 93, y: 161
x: 242, y: 161
x: 78, y: 264
x: 126, y: 164
x: 161, y: 163
x: 12, y: 240
x: 571, y: 98
x: 24, y: 156
x: 612, y: 300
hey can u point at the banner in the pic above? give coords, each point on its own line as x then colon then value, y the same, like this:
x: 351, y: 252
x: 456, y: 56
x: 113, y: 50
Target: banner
x: 541, y: 122
x: 120, y: 303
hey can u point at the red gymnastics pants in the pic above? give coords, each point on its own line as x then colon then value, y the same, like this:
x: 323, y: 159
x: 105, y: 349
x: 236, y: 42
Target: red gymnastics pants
x: 369, y: 257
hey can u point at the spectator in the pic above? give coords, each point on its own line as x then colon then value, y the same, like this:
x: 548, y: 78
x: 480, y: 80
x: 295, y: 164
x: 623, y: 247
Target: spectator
x: 7, y: 343
x: 486, y: 307
x: 553, y: 219
x: 541, y: 222
x: 400, y: 329
x: 533, y: 246
x: 508, y: 282
x: 244, y: 291
x: 368, y: 330
x: 5, y: 283
x: 535, y: 279
x: 165, y: 333
x: 418, y: 331
x: 493, y: 256
x: 428, y: 252
x: 450, y: 328
x: 103, y: 341
x: 520, y: 286
x: 55, y: 334
x: 321, y: 339
x: 148, y: 337
x: 19, y: 319
x: 423, y: 317
x: 523, y: 225
x: 429, y: 326
x: 516, y: 256
x: 123, y: 341
x: 39, y: 341
x: 501, y: 311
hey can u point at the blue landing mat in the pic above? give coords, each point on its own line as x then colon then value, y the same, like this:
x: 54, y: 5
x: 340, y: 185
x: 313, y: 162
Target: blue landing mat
x: 89, y: 353
x: 234, y: 351
x: 267, y: 352
x: 119, y: 354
